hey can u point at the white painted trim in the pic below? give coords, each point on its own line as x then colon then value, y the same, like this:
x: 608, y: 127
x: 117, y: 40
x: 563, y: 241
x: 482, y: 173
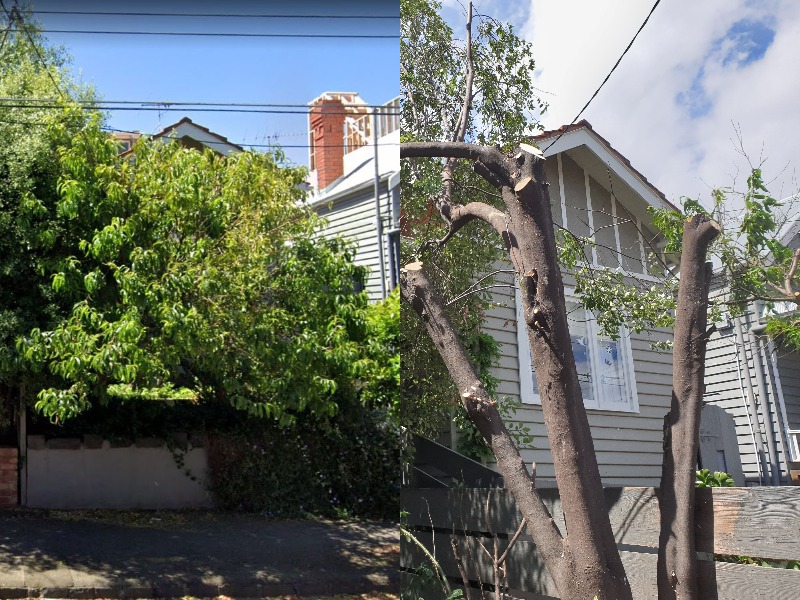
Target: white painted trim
x: 562, y: 193
x: 590, y: 214
x: 526, y: 393
x: 585, y: 137
x: 394, y: 180
x: 616, y: 230
x: 641, y: 245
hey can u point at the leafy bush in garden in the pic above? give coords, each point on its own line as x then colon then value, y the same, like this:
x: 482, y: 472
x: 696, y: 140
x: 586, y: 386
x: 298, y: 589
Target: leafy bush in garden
x: 349, y: 469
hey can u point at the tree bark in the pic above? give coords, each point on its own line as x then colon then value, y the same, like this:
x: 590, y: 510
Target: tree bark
x: 677, y: 557
x: 416, y: 289
x: 589, y: 552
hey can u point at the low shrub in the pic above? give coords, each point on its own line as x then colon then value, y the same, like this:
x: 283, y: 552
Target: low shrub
x: 349, y: 468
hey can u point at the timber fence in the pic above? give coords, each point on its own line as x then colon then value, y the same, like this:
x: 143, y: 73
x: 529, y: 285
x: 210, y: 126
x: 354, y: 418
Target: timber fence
x: 478, y: 525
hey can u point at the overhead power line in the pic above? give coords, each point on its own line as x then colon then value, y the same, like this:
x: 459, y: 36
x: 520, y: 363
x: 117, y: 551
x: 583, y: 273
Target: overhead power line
x: 214, y: 142
x: 19, y: 100
x: 226, y: 34
x: 270, y: 111
x: 208, y: 15
x: 616, y: 64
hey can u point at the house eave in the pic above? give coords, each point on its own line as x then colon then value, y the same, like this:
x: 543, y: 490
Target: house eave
x: 582, y: 134
x: 323, y: 198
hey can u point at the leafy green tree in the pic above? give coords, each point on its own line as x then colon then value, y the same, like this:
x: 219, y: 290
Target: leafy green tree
x: 30, y: 135
x: 193, y: 276
x: 505, y: 105
x: 170, y: 274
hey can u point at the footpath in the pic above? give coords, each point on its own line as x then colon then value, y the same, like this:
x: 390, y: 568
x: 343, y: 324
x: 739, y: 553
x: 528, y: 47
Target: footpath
x: 103, y: 554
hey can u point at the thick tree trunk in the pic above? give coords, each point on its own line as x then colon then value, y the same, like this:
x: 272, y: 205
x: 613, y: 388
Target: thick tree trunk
x: 590, y: 558
x: 590, y: 537
x: 677, y: 557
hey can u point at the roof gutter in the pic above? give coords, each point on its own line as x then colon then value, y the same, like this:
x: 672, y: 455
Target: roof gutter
x: 363, y: 186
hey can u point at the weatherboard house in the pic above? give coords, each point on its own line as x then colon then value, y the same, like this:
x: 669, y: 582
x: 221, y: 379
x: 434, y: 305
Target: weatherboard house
x: 354, y: 157
x: 626, y: 382
x: 185, y: 132
x: 756, y: 380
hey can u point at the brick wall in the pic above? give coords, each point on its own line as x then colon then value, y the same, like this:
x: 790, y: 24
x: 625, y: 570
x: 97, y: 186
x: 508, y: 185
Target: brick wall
x: 327, y: 125
x: 8, y: 477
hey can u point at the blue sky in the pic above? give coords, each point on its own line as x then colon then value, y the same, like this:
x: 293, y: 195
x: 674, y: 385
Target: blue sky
x: 230, y: 69
x: 703, y: 81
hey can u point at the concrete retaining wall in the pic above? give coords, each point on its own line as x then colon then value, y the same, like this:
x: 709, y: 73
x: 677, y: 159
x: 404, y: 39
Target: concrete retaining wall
x: 89, y: 473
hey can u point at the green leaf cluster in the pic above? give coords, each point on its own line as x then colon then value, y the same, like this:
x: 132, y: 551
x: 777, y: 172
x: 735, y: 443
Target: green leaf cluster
x: 30, y: 235
x: 194, y: 276
x: 617, y: 302
x: 706, y: 479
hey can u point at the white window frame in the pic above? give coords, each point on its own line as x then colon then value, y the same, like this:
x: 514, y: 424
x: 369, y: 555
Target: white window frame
x: 527, y: 395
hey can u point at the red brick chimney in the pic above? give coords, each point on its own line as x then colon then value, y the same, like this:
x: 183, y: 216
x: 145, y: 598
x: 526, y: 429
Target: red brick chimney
x: 327, y: 135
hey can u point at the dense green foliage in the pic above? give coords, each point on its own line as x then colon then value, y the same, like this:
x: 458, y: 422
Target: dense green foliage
x: 169, y: 274
x: 504, y: 109
x: 753, y: 263
x: 29, y: 171
x: 349, y: 468
x: 193, y: 277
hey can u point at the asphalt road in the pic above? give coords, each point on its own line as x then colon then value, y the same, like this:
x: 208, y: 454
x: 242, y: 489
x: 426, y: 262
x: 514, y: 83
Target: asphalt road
x: 163, y: 554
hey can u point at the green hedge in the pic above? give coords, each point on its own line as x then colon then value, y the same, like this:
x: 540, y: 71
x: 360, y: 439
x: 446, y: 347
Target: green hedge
x: 351, y: 469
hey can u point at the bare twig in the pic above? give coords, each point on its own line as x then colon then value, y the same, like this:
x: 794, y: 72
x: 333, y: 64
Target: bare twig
x: 461, y: 570
x: 792, y: 270
x: 478, y: 290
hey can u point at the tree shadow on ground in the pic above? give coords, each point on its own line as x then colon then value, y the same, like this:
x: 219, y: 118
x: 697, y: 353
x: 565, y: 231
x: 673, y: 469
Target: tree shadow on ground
x: 206, y: 546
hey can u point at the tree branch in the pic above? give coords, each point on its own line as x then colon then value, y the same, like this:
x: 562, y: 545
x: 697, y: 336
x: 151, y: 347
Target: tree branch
x: 790, y: 275
x: 492, y: 158
x: 463, y: 295
x: 463, y: 117
x: 456, y: 216
x: 416, y: 290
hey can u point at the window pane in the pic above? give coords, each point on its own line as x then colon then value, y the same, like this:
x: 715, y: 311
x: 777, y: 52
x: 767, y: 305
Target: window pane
x: 613, y: 387
x: 581, y: 348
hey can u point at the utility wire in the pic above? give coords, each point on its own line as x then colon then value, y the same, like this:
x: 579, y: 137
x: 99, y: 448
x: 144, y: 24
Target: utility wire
x: 247, y: 145
x: 214, y: 142
x: 229, y: 34
x: 204, y: 15
x: 13, y: 101
x: 270, y: 111
x: 616, y: 64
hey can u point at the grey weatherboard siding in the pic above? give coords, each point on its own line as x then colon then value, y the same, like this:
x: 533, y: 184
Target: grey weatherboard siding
x: 628, y: 444
x: 353, y: 217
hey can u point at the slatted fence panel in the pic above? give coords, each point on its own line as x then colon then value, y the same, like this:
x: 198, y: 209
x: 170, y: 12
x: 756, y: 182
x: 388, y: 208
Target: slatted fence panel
x: 757, y: 522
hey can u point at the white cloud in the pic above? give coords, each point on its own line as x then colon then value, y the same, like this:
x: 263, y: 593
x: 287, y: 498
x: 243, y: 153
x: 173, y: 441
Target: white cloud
x: 576, y: 42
